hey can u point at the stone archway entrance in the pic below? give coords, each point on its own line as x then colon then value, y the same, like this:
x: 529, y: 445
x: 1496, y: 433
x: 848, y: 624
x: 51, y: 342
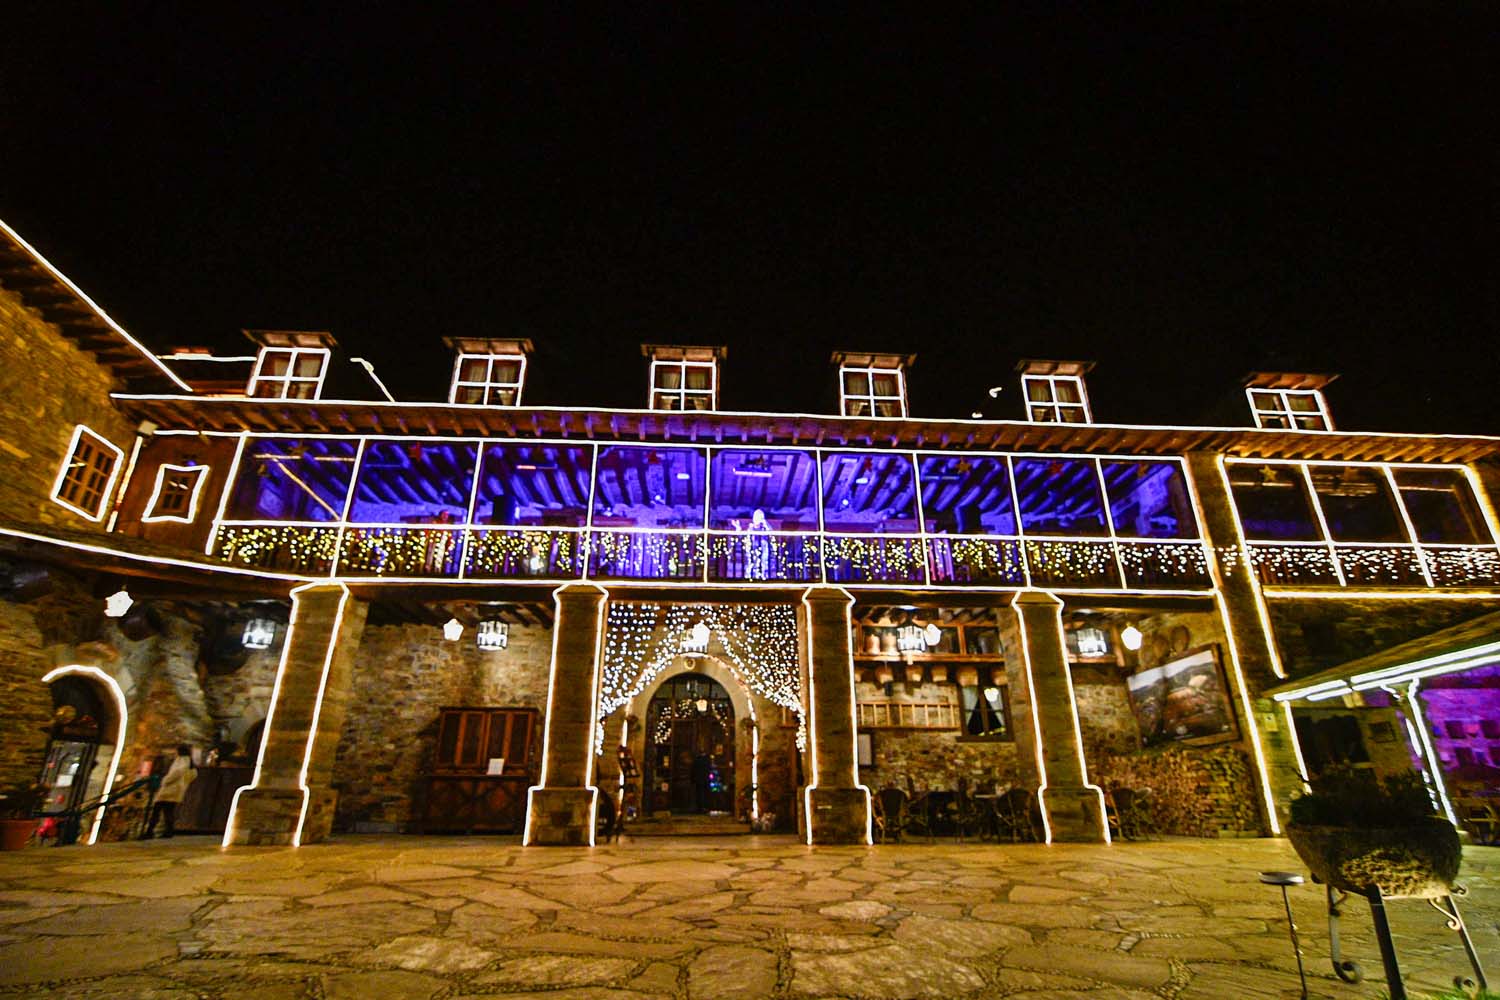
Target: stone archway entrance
x: 689, y: 754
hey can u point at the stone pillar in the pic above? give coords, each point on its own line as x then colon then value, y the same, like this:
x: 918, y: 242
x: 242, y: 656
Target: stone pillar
x: 837, y: 806
x: 1073, y: 808
x: 1253, y: 662
x: 560, y: 810
x: 291, y: 800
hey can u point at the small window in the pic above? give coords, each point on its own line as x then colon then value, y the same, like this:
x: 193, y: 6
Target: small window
x: 289, y: 373
x: 1293, y: 409
x: 986, y: 709
x: 1055, y: 399
x: 88, y: 474
x: 683, y: 385
x: 175, y: 497
x: 877, y: 392
x: 488, y: 379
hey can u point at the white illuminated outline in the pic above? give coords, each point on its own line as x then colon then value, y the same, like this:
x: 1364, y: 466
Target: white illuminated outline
x: 232, y: 827
x: 291, y: 378
x: 70, y: 458
x: 36, y: 255
x: 113, y: 687
x: 119, y: 498
x: 1433, y: 763
x: 163, y: 472
x: 1262, y: 613
x: 1282, y: 409
x: 152, y: 560
x: 813, y: 714
x: 488, y: 382
x: 588, y: 736
x: 872, y: 397
x: 682, y: 392
x: 189, y: 356
x: 1054, y: 404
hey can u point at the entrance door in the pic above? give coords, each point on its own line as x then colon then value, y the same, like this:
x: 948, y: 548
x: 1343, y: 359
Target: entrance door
x: 72, y: 752
x: 689, y: 765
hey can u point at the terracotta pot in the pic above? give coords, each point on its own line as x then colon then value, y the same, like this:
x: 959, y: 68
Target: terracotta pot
x: 967, y: 676
x: 884, y: 675
x: 1420, y: 860
x: 913, y: 674
x: 939, y: 672
x: 14, y: 833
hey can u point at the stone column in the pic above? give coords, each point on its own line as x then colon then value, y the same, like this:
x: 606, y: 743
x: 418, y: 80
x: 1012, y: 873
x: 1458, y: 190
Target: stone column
x: 1073, y: 808
x: 837, y: 806
x: 560, y: 810
x: 291, y: 800
x: 1254, y: 663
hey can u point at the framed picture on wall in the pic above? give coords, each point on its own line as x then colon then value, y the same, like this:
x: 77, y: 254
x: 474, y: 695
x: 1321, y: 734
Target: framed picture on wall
x: 1183, y: 701
x: 865, y: 743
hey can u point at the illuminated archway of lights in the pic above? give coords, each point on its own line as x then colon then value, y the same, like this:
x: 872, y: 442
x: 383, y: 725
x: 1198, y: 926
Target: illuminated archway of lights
x: 758, y: 642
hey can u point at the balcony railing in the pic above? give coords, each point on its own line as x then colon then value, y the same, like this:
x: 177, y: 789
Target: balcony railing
x: 689, y: 555
x: 1375, y: 565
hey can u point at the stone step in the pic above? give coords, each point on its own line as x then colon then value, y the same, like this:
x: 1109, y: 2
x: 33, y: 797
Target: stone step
x: 686, y: 826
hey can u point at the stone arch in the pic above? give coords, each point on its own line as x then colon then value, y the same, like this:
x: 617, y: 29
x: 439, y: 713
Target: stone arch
x: 113, y: 695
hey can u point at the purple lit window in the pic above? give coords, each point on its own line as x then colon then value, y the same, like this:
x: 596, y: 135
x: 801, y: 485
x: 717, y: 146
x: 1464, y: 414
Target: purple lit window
x: 292, y: 479
x: 649, y: 487
x: 1148, y: 500
x: 782, y: 485
x: 1273, y: 503
x: 865, y: 492
x: 1357, y: 503
x: 1059, y: 496
x: 1442, y: 506
x: 967, y: 495
x: 413, y: 482
x: 534, y: 485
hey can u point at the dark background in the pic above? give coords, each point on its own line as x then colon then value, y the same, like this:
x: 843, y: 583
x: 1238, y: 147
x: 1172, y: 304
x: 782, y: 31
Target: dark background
x: 1181, y: 194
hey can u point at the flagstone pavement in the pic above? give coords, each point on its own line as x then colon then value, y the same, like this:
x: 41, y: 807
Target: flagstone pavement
x: 693, y: 918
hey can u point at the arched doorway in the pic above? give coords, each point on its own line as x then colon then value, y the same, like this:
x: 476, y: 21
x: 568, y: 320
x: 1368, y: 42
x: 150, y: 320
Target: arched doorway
x: 689, y: 757
x: 85, y: 739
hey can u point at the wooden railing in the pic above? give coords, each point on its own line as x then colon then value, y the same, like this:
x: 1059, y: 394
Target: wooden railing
x: 908, y: 715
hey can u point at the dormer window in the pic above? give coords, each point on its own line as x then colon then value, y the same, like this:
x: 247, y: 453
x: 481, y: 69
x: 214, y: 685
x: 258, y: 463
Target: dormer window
x: 684, y: 378
x: 488, y: 372
x: 1283, y: 401
x: 1054, y: 391
x: 872, y: 385
x: 289, y: 373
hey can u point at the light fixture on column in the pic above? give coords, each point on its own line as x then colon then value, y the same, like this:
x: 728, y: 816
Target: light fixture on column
x: 453, y: 630
x: 492, y: 635
x: 259, y: 633
x: 117, y: 604
x: 695, y: 640
x: 1131, y: 637
x: 1093, y: 642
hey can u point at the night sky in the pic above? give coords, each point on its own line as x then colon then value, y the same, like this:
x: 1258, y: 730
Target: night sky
x: 1181, y: 195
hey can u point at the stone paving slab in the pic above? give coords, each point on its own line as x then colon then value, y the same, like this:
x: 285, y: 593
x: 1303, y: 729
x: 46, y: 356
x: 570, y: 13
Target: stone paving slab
x: 734, y: 918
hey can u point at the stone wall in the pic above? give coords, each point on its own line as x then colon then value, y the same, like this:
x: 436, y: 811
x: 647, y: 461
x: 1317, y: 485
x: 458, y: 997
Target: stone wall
x: 403, y: 674
x: 932, y: 758
x: 47, y: 386
x: 1312, y: 635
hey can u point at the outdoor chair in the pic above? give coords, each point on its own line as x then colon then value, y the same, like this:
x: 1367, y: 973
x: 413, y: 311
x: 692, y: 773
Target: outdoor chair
x: 1013, y: 812
x: 919, y: 818
x: 965, y: 815
x: 1480, y: 818
x: 890, y: 814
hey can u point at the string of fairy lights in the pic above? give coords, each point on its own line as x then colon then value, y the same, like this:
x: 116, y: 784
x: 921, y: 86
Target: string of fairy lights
x: 758, y: 642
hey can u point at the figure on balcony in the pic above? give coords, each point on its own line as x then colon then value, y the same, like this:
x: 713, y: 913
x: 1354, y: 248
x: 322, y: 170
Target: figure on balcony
x: 757, y: 546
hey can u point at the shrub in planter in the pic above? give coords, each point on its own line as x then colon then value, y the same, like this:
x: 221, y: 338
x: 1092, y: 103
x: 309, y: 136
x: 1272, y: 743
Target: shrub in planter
x: 1357, y: 834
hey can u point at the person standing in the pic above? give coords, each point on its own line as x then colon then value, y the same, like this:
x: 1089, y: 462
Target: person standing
x: 173, y: 787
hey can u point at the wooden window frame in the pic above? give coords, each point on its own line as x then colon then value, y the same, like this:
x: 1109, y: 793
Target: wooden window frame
x: 1052, y: 406
x: 284, y: 383
x: 70, y: 489
x: 489, y: 383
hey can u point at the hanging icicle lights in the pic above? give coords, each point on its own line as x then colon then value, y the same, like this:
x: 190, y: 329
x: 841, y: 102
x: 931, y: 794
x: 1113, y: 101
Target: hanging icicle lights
x: 758, y: 642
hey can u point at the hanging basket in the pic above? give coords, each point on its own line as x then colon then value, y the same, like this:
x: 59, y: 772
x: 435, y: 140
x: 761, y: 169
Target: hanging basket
x: 1420, y: 860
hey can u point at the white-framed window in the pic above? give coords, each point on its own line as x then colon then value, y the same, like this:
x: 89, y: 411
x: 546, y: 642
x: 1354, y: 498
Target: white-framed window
x: 683, y: 385
x: 289, y: 373
x: 87, y: 477
x: 1056, y: 399
x: 1294, y: 409
x: 871, y: 392
x: 488, y: 379
x: 175, y: 495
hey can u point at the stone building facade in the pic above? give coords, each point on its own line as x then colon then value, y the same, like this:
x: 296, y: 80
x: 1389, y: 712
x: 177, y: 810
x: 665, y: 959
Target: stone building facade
x: 865, y: 599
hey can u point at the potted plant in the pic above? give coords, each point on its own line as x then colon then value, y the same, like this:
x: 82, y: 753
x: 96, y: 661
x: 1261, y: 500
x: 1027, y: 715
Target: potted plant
x: 1358, y: 834
x: 18, y: 804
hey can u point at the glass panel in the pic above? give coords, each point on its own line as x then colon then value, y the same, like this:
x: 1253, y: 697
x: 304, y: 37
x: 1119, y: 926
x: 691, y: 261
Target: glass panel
x: 267, y: 390
x: 667, y: 401
x: 668, y: 377
x: 505, y: 372
x: 1043, y: 414
x: 856, y: 407
x: 502, y: 397
x: 1038, y: 390
x: 963, y: 495
x: 1311, y: 422
x: 309, y: 365
x: 469, y: 394
x: 698, y: 402
x: 1059, y: 496
x: 887, y: 408
x: 473, y: 370
x: 1357, y: 504
x: 1067, y: 391
x: 302, y: 390
x: 1301, y: 402
x: 276, y: 363
x: 1149, y: 500
x: 886, y: 384
x: 1267, y: 401
x: 868, y: 492
x: 699, y: 377
x: 650, y: 487
x: 1442, y: 506
x: 1276, y: 420
x: 292, y: 479
x: 982, y: 640
x: 1273, y: 503
x: 534, y: 485
x: 856, y: 384
x: 764, y: 491
x: 1071, y: 415
x: 421, y: 482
